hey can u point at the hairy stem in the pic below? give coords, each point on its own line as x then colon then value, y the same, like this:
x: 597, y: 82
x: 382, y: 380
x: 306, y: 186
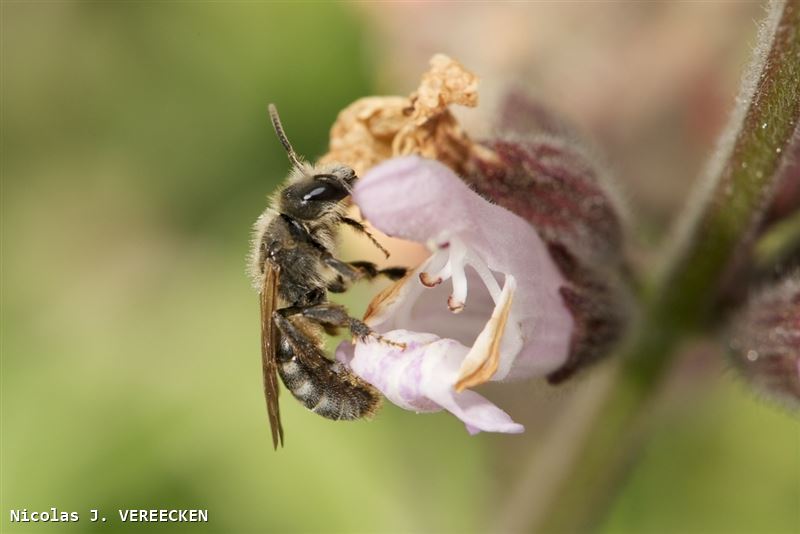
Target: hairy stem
x: 725, y: 210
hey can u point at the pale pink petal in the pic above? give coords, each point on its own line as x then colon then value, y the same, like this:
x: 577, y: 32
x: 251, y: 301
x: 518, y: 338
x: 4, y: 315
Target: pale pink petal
x: 421, y: 378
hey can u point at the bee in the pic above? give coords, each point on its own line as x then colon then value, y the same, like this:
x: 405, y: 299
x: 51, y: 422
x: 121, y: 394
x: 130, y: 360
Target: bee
x: 293, y: 266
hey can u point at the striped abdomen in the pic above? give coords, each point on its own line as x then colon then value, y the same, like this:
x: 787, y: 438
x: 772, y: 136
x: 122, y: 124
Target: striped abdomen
x: 327, y: 388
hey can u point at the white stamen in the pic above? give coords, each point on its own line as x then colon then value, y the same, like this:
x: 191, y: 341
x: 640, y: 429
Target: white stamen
x: 403, y: 312
x: 449, y: 261
x: 486, y: 276
x: 455, y: 305
x: 458, y: 298
x: 433, y: 280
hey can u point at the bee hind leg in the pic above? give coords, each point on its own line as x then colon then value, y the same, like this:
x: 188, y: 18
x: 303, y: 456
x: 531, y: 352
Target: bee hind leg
x: 322, y: 385
x: 333, y: 315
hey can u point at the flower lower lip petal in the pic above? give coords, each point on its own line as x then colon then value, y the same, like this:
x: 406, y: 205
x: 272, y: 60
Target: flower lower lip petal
x: 477, y: 413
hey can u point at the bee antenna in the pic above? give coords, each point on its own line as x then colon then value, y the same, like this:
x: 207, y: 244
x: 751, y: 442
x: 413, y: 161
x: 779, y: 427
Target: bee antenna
x: 276, y: 123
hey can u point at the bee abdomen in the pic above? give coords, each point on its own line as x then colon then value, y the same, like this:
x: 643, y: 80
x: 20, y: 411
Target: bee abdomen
x: 329, y: 389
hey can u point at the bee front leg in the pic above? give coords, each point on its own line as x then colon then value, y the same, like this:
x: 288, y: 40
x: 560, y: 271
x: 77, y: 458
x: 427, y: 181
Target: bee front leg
x: 360, y: 228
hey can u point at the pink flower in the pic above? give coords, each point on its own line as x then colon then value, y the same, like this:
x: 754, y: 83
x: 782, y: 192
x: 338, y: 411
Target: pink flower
x: 485, y: 306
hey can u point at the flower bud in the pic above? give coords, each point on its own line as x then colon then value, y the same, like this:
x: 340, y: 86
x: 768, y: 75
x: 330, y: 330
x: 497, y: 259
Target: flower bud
x: 765, y: 340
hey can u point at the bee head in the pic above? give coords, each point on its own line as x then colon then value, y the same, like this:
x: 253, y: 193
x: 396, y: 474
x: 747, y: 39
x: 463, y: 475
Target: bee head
x: 313, y: 192
x: 312, y: 195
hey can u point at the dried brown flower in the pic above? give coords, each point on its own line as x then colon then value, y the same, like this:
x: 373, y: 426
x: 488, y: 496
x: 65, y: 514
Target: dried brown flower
x: 376, y: 128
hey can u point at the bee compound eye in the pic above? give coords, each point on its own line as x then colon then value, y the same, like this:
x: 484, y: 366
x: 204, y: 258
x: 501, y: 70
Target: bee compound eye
x: 324, y: 192
x: 321, y: 191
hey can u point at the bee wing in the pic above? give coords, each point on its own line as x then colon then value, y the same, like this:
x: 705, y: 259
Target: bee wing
x: 269, y: 348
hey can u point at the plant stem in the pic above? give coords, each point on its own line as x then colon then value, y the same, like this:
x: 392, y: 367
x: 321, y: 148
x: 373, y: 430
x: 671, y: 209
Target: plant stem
x: 726, y: 209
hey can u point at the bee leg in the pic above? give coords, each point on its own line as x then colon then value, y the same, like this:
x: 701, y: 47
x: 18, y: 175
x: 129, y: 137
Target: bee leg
x: 298, y: 342
x: 370, y: 270
x: 331, y: 330
x: 338, y: 285
x: 334, y: 315
x: 324, y: 386
x: 356, y: 270
x: 360, y: 228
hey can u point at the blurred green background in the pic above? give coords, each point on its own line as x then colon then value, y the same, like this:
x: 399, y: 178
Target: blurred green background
x: 136, y: 153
